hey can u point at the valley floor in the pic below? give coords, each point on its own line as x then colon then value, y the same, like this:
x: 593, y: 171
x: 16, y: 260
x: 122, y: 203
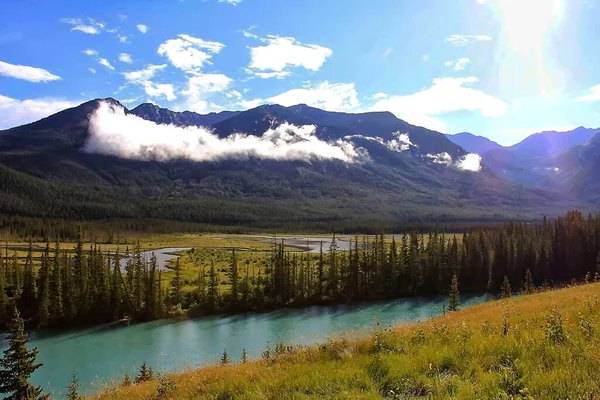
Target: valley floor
x: 540, y: 346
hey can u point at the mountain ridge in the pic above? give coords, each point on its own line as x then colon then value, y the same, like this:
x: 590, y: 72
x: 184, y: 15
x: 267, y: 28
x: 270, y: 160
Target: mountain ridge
x: 405, y: 177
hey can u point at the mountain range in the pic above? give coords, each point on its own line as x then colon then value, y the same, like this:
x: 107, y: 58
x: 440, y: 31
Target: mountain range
x: 559, y: 161
x: 271, y: 166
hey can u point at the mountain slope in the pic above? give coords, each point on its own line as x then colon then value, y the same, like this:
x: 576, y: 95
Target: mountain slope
x: 402, y: 178
x: 473, y: 143
x: 536, y: 160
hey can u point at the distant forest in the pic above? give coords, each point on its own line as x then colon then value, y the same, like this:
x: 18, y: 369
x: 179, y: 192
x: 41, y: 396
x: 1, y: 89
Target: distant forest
x: 87, y: 286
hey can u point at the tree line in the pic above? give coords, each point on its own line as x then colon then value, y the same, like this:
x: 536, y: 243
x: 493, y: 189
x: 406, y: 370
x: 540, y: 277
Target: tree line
x: 89, y: 286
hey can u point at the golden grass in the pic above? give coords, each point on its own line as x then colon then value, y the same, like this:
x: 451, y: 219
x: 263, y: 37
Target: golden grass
x: 540, y: 346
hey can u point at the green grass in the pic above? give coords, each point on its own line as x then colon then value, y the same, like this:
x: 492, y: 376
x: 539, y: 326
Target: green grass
x: 540, y: 346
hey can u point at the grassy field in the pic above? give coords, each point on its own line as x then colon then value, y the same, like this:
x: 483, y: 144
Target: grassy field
x: 540, y: 346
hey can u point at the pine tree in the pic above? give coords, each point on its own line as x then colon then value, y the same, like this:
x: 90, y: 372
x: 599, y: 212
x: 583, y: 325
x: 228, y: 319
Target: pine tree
x: 234, y: 278
x: 145, y: 374
x: 505, y: 290
x: 3, y: 296
x: 598, y: 262
x: 55, y: 282
x: 126, y: 380
x: 244, y: 358
x: 176, y: 284
x: 44, y: 288
x: 74, y: 389
x: 28, y: 298
x: 529, y: 287
x: 213, y: 288
x: 224, y: 358
x: 454, y: 295
x: 18, y: 364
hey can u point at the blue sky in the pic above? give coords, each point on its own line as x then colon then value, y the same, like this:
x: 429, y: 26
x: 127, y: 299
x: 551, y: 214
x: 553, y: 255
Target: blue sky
x: 499, y: 68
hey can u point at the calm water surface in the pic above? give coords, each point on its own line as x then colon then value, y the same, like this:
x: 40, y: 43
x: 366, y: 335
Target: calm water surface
x: 103, y: 354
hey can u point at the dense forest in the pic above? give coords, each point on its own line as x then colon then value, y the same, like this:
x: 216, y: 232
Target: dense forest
x: 88, y: 286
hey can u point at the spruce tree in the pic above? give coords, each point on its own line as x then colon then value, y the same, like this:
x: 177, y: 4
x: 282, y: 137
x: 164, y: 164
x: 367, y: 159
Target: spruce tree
x: 224, y: 358
x: 529, y: 287
x: 44, y: 288
x: 3, y: 297
x: 244, y: 358
x: 145, y: 374
x: 28, y: 300
x: 234, y: 278
x: 213, y: 288
x: 18, y: 364
x: 126, y: 380
x: 74, y: 389
x: 176, y: 284
x: 55, y: 282
x: 454, y: 295
x: 505, y: 290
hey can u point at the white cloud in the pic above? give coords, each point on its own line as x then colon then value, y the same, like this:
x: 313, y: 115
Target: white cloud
x: 232, y: 2
x: 267, y: 75
x: 425, y: 57
x: 112, y: 132
x: 201, y: 87
x: 470, y: 162
x: 27, y: 73
x: 90, y: 30
x: 142, y: 28
x: 387, y: 52
x: 233, y: 94
x: 144, y: 77
x: 325, y: 95
x: 106, y: 63
x: 458, y: 65
x: 463, y: 40
x: 281, y: 53
x: 379, y: 95
x: 91, y: 27
x: 593, y: 95
x: 90, y: 52
x: 143, y: 74
x: 15, y: 112
x: 158, y: 90
x: 92, y: 70
x: 445, y: 95
x: 126, y: 58
x: 440, y: 158
x: 189, y: 53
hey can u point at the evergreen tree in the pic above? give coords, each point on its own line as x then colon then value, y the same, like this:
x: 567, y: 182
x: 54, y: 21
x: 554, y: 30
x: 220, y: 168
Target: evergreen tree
x: 244, y: 358
x: 126, y: 380
x: 213, y: 288
x: 454, y: 295
x: 28, y: 298
x: 56, y: 290
x: 145, y: 373
x: 176, y: 283
x: 18, y: 364
x: 505, y: 290
x: 44, y: 288
x: 224, y: 358
x: 598, y: 262
x: 3, y: 296
x: 529, y: 287
x: 234, y: 278
x: 74, y: 389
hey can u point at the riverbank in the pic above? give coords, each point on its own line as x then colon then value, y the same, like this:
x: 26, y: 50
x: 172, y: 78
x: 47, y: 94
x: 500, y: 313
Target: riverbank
x: 545, y: 345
